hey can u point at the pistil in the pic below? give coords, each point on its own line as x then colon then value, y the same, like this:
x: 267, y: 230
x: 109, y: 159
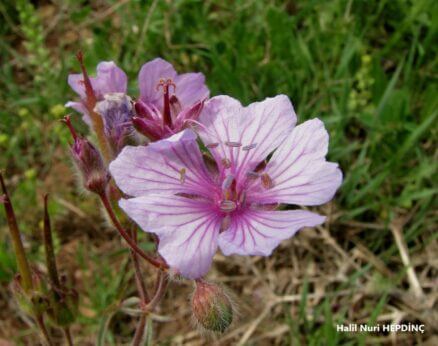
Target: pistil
x: 166, y: 84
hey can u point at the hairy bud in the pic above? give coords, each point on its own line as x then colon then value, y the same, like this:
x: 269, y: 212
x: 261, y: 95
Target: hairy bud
x: 89, y: 162
x: 211, y: 307
x: 32, y: 301
x: 63, y: 306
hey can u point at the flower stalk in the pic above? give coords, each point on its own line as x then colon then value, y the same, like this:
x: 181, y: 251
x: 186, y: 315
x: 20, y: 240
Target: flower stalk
x: 107, y: 205
x: 23, y: 265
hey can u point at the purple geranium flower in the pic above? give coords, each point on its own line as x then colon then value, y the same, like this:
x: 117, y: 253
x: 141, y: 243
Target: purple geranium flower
x: 167, y: 99
x: 195, y: 203
x: 109, y: 79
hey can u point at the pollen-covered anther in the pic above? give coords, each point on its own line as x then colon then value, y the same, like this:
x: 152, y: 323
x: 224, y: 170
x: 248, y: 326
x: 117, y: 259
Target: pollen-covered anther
x: 267, y: 182
x: 252, y: 175
x: 227, y: 206
x: 227, y: 182
x: 249, y: 147
x: 233, y: 144
x: 165, y: 84
x: 182, y: 175
x: 226, y: 163
x: 212, y: 145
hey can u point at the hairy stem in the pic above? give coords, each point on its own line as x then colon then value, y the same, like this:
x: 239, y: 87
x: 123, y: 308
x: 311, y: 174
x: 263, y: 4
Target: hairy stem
x: 68, y: 336
x: 140, y: 334
x: 23, y: 265
x: 43, y: 329
x: 106, y: 203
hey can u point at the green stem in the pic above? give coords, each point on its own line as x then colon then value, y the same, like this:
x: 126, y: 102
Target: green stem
x: 23, y: 265
x: 48, y: 245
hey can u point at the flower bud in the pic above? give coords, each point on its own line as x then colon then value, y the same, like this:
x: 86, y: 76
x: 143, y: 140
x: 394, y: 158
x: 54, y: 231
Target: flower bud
x: 211, y: 307
x: 63, y: 306
x: 117, y: 111
x: 33, y: 301
x: 89, y: 162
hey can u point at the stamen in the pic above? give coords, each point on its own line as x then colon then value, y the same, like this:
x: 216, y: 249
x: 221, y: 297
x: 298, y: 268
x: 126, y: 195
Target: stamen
x: 242, y: 198
x: 267, y: 181
x: 227, y: 206
x: 227, y: 182
x: 226, y: 163
x: 182, y: 175
x: 225, y: 224
x: 175, y: 106
x: 249, y: 147
x: 252, y: 175
x: 233, y: 144
x: 212, y: 145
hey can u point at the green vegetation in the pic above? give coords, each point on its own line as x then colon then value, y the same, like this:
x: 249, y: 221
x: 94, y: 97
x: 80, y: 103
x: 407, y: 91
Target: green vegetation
x: 368, y: 69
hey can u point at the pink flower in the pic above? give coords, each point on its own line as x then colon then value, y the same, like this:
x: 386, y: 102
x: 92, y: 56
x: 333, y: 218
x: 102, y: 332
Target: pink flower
x: 196, y: 203
x: 167, y: 99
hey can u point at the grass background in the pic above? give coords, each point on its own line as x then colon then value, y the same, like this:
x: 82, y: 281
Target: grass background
x: 368, y: 69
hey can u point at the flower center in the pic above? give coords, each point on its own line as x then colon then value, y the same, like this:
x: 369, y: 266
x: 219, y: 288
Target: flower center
x: 166, y: 84
x: 230, y: 199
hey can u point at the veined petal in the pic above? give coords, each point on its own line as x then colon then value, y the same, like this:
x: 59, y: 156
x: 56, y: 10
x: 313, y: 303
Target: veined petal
x: 299, y: 171
x: 170, y: 166
x: 191, y: 88
x: 246, y: 135
x: 187, y: 230
x: 149, y: 77
x: 80, y: 107
x: 257, y: 232
x: 109, y: 79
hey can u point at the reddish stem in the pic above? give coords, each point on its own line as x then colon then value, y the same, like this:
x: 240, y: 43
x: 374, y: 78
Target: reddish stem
x: 106, y: 203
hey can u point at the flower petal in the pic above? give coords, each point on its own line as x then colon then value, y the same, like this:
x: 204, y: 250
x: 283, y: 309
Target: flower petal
x: 191, y: 88
x: 246, y: 135
x: 258, y: 232
x: 170, y: 166
x: 109, y: 79
x: 299, y: 171
x: 149, y: 77
x: 187, y: 230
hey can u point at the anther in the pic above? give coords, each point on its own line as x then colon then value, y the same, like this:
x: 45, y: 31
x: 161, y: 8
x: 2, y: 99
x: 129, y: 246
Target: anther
x: 182, y: 175
x: 212, y: 145
x: 226, y: 163
x: 249, y: 147
x: 233, y: 144
x: 227, y: 182
x: 252, y: 175
x: 227, y: 206
x: 242, y: 198
x: 165, y: 84
x: 267, y: 181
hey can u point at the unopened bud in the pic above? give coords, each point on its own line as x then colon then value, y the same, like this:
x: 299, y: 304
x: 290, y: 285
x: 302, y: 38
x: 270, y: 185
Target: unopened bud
x: 89, y: 162
x: 211, y: 307
x: 116, y: 111
x: 32, y: 301
x: 63, y: 306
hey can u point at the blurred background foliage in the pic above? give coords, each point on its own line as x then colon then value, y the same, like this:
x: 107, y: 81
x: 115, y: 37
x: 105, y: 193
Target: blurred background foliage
x: 368, y: 69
